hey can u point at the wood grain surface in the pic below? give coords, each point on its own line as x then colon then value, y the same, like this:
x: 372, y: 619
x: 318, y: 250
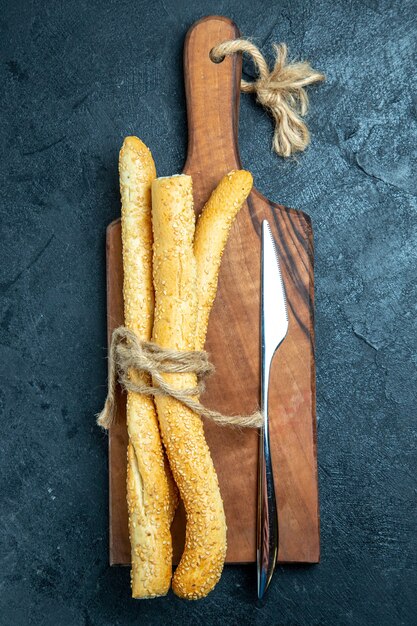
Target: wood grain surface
x: 212, y: 92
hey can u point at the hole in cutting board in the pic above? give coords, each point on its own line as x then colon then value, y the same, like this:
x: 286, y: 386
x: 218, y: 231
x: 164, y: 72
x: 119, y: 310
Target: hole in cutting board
x: 215, y: 59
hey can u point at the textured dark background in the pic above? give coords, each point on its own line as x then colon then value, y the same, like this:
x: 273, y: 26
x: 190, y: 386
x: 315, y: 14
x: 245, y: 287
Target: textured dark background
x: 76, y: 78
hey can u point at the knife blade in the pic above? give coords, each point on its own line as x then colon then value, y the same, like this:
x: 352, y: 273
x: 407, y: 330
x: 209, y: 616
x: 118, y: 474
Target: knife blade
x: 274, y: 327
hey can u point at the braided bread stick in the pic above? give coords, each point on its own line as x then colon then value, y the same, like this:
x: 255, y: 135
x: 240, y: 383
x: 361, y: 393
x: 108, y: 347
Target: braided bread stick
x: 176, y: 272
x: 151, y: 493
x: 182, y: 430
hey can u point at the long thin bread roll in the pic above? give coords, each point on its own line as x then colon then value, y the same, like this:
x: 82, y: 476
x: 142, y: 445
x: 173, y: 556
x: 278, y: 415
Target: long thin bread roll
x: 182, y: 431
x: 150, y: 490
x: 211, y: 233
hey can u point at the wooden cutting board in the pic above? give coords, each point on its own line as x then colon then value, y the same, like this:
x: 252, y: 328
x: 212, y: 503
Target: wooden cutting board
x: 212, y: 92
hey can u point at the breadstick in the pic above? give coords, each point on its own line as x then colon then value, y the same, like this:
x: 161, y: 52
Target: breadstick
x: 182, y: 430
x: 151, y: 494
x: 211, y: 233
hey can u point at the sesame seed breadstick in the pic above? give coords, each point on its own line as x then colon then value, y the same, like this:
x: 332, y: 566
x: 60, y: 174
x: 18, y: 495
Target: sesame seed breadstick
x: 151, y: 493
x: 175, y: 321
x: 211, y: 233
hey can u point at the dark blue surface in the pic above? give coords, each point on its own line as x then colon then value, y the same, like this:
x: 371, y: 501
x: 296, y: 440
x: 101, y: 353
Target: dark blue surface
x: 76, y: 78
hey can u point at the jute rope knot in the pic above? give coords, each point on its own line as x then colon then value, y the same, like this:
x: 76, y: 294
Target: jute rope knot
x: 129, y: 355
x: 280, y: 90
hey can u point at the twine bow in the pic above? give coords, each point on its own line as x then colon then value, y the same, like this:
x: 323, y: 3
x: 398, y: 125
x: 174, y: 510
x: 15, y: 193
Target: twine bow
x: 128, y: 353
x: 280, y: 90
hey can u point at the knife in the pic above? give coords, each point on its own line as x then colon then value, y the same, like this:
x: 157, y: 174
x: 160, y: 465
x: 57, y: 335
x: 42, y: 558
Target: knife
x: 274, y: 326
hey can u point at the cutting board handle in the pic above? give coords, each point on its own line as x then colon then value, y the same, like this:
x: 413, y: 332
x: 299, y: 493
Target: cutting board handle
x: 212, y: 92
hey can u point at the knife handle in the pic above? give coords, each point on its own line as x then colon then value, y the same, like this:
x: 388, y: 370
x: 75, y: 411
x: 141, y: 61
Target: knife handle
x: 267, y: 526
